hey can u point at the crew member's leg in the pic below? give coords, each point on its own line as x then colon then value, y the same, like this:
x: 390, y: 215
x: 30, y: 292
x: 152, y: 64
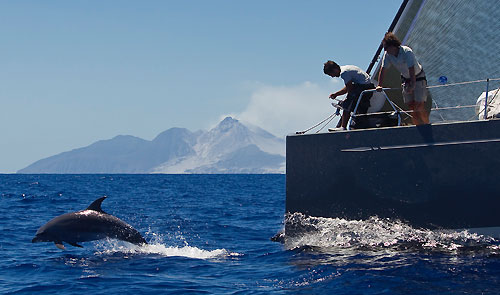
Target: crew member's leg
x: 420, y: 99
x: 416, y: 103
x: 415, y: 116
x: 420, y: 113
x: 348, y: 106
x: 345, y: 118
x: 350, y: 103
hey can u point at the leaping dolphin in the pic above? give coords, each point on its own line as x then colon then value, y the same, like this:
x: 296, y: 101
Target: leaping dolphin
x: 87, y: 225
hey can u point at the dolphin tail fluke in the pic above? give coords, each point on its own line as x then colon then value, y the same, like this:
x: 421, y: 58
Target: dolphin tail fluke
x: 96, y: 205
x: 60, y: 245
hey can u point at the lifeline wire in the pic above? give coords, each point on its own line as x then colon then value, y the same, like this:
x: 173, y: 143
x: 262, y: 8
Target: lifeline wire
x: 332, y: 116
x: 463, y: 83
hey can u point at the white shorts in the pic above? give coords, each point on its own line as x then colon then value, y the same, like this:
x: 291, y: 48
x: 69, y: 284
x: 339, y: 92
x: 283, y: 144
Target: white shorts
x: 419, y: 94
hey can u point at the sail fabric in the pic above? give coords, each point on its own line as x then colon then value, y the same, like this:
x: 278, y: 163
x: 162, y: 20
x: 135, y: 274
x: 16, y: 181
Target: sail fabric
x: 493, y: 106
x: 455, y: 41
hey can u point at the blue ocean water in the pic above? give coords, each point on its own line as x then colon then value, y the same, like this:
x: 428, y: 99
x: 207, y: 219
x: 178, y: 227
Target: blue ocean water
x: 210, y: 234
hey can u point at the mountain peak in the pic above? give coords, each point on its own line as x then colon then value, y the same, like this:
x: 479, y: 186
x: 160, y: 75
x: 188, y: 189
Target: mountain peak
x: 229, y: 120
x: 227, y: 124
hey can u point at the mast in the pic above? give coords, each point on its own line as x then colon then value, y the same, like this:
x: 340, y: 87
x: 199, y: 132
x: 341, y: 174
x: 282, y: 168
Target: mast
x: 391, y: 27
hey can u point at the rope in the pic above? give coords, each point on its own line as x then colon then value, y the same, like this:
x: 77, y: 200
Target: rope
x: 327, y: 123
x: 309, y: 129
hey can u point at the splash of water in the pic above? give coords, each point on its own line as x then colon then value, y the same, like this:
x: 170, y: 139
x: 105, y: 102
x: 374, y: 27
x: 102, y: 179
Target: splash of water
x: 376, y: 233
x: 157, y: 246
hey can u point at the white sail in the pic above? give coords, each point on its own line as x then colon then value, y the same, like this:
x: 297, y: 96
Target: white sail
x: 457, y: 41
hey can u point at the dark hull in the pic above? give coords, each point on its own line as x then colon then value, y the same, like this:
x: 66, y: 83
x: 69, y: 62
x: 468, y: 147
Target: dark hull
x: 434, y: 176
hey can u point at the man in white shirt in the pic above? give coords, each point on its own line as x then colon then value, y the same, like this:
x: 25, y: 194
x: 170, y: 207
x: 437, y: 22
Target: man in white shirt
x: 412, y: 75
x: 356, y: 80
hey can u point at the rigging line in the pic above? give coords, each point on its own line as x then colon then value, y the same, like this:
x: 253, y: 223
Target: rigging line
x: 455, y: 107
x: 332, y: 116
x: 462, y: 83
x: 452, y: 84
x: 309, y: 129
x: 326, y: 124
x: 401, y: 110
x: 437, y: 107
x: 409, y: 111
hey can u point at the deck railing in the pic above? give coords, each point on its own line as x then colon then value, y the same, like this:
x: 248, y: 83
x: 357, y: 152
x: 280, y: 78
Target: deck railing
x: 398, y: 110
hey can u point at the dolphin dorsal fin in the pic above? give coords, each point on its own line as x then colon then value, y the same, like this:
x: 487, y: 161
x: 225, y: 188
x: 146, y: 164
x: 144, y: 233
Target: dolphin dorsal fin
x: 96, y: 205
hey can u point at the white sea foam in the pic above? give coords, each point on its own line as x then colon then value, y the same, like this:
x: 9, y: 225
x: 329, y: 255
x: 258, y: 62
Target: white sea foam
x: 158, y: 247
x: 375, y: 232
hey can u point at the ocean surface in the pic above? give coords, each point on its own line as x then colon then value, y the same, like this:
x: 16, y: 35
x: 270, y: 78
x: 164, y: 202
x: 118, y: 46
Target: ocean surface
x: 211, y: 234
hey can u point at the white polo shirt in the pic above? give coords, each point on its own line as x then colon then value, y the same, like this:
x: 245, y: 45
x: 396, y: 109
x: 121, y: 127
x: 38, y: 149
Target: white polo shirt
x: 405, y: 59
x: 353, y: 73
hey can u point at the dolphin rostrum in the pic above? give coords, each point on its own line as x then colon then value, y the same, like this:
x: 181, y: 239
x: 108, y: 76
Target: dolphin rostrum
x: 87, y: 225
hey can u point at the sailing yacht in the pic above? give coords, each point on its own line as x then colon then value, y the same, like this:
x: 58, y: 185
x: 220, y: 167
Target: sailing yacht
x: 443, y: 175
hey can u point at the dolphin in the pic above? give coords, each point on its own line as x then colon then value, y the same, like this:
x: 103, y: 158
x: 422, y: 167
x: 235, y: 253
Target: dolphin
x: 87, y: 225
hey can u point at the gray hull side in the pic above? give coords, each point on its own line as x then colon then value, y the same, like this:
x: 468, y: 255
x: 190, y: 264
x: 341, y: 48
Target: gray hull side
x: 433, y: 176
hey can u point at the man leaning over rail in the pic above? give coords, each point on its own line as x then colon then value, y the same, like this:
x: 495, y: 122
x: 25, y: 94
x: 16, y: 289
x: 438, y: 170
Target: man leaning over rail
x: 356, y: 81
x: 412, y: 76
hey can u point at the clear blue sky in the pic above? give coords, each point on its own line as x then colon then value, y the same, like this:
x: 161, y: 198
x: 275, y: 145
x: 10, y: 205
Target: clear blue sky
x: 74, y: 72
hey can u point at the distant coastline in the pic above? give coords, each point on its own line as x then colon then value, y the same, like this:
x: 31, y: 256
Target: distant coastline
x: 229, y: 148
